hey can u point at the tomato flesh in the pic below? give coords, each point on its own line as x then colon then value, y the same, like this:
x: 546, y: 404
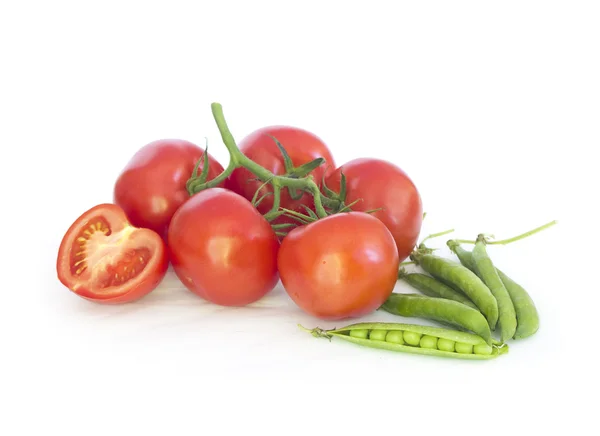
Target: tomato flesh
x: 342, y: 266
x: 104, y: 258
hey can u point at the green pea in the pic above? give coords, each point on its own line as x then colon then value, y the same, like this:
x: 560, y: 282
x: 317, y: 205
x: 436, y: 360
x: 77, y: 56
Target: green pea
x: 445, y: 344
x: 463, y: 348
x: 395, y: 337
x: 412, y: 338
x: 359, y: 333
x: 378, y: 335
x: 450, y: 343
x: 484, y: 349
x: 429, y: 342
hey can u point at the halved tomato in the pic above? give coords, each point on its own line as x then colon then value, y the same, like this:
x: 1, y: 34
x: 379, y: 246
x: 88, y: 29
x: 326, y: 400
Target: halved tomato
x: 103, y: 258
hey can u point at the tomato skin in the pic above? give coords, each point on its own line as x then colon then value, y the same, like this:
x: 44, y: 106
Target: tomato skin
x: 107, y: 254
x: 342, y: 266
x: 151, y: 186
x: 381, y: 184
x: 222, y: 249
x: 302, y: 147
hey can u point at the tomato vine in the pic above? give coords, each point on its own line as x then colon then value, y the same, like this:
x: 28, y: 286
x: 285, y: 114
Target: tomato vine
x: 295, y: 180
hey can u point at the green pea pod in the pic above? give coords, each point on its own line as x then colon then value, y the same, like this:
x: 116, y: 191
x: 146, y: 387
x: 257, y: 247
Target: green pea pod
x: 507, y: 318
x: 434, y: 288
x: 429, y: 341
x: 464, y: 256
x: 438, y: 309
x: 463, y: 278
x: 528, y: 320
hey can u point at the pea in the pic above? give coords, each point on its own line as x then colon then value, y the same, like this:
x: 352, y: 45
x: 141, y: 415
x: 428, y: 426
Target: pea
x: 463, y: 348
x: 395, y: 337
x: 484, y: 349
x: 378, y: 335
x: 429, y: 342
x: 412, y: 338
x: 445, y: 345
x: 359, y: 333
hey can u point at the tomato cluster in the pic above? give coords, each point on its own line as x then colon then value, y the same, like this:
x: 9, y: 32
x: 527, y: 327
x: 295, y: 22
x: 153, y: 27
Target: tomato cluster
x: 221, y: 245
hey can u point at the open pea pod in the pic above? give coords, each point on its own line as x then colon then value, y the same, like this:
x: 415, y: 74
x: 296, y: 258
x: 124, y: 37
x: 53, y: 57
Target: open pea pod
x: 416, y: 339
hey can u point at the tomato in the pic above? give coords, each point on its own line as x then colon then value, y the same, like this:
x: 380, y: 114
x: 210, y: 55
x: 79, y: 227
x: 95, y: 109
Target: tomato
x: 103, y: 258
x: 381, y: 184
x: 152, y: 185
x: 302, y: 147
x: 223, y: 249
x: 341, y: 266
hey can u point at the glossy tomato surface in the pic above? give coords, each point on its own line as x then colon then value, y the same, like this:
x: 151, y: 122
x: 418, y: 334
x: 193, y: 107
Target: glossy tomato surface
x: 152, y: 185
x: 302, y: 147
x: 103, y: 258
x: 222, y: 249
x: 381, y: 184
x: 342, y: 266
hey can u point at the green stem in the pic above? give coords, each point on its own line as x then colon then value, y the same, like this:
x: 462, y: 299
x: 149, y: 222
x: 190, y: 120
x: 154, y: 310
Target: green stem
x: 329, y: 202
x: 272, y: 214
x: 435, y: 235
x: 240, y: 160
x: 508, y: 240
x: 316, y: 332
x: 282, y: 226
x: 197, y: 185
x: 316, y: 192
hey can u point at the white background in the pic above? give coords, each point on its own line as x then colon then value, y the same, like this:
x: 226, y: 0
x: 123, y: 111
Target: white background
x: 491, y: 107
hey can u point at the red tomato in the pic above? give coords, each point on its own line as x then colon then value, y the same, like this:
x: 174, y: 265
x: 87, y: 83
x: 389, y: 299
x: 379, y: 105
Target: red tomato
x: 302, y: 147
x: 223, y: 249
x: 342, y: 266
x: 152, y: 185
x: 381, y: 184
x: 103, y: 258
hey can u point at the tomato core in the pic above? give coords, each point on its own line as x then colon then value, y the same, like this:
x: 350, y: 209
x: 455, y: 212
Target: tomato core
x: 97, y: 253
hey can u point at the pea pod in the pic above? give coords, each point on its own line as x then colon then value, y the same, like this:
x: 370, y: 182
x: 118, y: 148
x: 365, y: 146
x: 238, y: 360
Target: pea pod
x: 507, y: 318
x: 464, y: 256
x: 416, y: 339
x: 528, y: 321
x: 438, y: 309
x: 434, y: 288
x: 463, y: 278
